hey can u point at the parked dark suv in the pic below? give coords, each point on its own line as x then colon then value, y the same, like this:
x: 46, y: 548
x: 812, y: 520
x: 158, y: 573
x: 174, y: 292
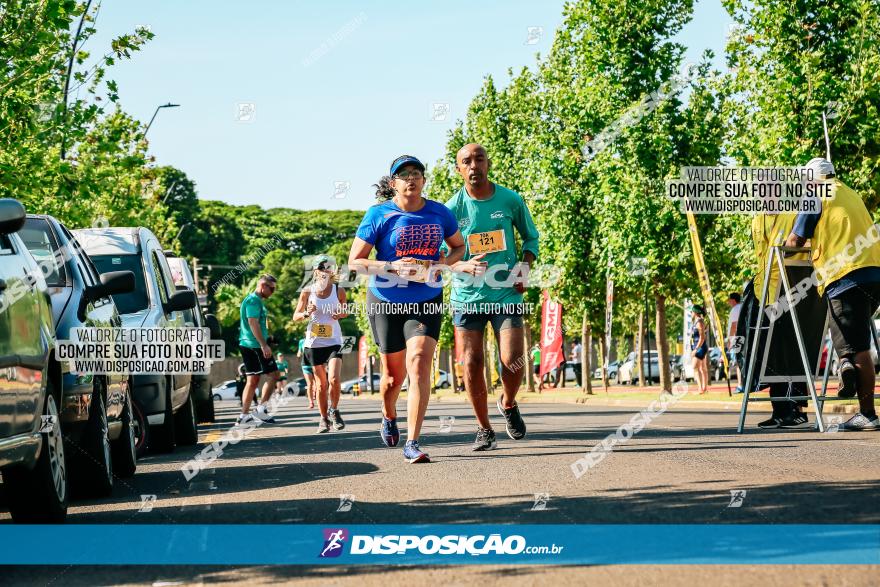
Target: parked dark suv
x: 100, y: 431
x: 32, y: 456
x: 163, y: 403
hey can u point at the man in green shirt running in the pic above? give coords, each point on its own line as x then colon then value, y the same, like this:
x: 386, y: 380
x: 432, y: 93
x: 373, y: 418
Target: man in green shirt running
x: 255, y: 352
x: 488, y: 214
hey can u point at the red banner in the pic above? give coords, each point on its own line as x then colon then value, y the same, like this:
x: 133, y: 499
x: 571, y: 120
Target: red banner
x: 552, y: 353
x: 363, y: 356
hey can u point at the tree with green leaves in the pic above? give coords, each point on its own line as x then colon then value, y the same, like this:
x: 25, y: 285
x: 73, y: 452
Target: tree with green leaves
x: 59, y: 154
x: 789, y: 64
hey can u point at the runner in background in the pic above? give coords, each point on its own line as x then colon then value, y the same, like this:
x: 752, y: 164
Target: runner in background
x: 253, y: 340
x: 405, y: 297
x: 490, y: 216
x: 322, y: 303
x: 536, y: 367
x: 283, y: 367
x: 308, y: 373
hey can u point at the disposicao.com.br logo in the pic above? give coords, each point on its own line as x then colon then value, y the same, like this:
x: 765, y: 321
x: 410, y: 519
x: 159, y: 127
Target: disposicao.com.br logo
x: 334, y: 539
x: 476, y: 545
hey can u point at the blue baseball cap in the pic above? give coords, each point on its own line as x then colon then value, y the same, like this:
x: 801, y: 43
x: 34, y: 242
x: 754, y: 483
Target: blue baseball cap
x: 406, y: 160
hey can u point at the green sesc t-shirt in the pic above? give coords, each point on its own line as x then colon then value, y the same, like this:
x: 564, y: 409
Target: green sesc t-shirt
x: 282, y: 366
x: 501, y: 214
x: 252, y: 307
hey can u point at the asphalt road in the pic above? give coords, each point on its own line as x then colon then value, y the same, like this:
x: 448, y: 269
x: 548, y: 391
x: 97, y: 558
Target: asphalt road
x: 682, y: 468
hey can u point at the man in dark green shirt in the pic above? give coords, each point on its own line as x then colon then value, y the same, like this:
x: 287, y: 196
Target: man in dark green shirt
x: 489, y: 217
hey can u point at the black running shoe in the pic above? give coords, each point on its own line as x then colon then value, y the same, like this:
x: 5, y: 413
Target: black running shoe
x: 794, y: 420
x: 516, y: 428
x: 849, y: 378
x: 485, y: 440
x: 335, y: 419
x: 773, y: 422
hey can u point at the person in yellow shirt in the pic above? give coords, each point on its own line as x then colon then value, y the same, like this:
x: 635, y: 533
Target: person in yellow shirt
x: 770, y: 230
x: 846, y: 256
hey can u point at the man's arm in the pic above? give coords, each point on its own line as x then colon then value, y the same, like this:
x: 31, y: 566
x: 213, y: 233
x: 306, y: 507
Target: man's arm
x: 258, y: 334
x: 804, y: 228
x: 528, y: 232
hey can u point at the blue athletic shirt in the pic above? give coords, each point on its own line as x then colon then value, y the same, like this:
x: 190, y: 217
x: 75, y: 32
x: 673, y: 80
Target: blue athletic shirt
x: 396, y: 234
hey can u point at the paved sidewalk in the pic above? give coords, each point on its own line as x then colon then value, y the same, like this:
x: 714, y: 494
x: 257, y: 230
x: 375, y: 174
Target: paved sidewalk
x: 716, y: 398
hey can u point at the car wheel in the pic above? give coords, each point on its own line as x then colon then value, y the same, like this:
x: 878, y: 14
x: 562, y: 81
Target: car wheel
x: 39, y: 495
x: 444, y: 385
x: 185, y: 420
x: 217, y: 397
x: 162, y: 435
x: 92, y: 471
x: 124, y: 448
x: 206, y: 411
x: 140, y: 428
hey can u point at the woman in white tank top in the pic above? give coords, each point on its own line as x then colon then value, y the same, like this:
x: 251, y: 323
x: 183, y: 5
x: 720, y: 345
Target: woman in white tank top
x: 322, y: 303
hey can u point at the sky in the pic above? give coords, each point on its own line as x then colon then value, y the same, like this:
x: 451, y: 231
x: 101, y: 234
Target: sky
x: 304, y: 104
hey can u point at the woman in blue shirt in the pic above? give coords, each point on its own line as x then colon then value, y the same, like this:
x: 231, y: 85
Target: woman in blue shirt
x: 405, y: 297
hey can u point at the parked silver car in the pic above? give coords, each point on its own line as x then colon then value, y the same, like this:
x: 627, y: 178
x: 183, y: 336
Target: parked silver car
x: 628, y: 372
x: 163, y: 403
x: 200, y: 385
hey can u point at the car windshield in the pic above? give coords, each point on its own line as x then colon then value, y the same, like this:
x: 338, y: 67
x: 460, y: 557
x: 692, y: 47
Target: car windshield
x: 43, y: 248
x: 135, y: 300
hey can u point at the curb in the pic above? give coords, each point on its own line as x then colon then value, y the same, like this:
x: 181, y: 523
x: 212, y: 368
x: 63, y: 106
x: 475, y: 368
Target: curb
x: 733, y: 405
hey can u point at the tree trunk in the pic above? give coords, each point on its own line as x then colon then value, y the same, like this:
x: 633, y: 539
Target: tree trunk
x: 640, y: 349
x: 662, y: 343
x: 586, y: 355
x: 603, y: 360
x: 530, y: 375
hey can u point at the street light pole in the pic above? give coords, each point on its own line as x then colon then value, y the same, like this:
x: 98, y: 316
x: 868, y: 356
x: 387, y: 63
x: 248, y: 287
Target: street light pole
x: 168, y: 105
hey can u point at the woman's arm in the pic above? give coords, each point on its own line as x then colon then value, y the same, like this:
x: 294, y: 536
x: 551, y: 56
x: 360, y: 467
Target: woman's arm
x: 456, y: 250
x: 358, y: 259
x: 300, y: 312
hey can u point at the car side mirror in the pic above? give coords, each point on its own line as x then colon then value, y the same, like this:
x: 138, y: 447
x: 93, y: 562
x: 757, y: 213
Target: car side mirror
x: 180, y: 301
x: 112, y: 282
x: 12, y: 216
x: 213, y: 326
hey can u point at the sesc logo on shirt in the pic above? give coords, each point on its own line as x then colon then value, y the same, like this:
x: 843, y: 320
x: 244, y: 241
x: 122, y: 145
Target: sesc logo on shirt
x: 497, y: 215
x: 464, y: 222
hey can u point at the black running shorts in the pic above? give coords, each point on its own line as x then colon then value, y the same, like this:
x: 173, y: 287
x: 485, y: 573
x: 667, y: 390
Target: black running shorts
x: 320, y: 356
x: 393, y: 323
x: 255, y: 363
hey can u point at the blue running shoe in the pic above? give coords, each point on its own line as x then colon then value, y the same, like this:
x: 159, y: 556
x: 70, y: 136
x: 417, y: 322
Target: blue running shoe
x: 389, y: 432
x: 414, y: 454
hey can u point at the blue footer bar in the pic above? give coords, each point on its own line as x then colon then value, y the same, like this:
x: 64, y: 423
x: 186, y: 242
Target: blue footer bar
x: 440, y: 544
